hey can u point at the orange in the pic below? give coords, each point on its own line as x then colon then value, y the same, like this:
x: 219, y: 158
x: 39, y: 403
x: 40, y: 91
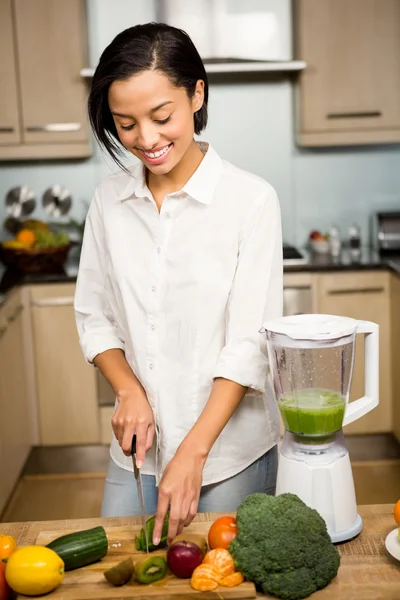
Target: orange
x: 222, y: 532
x: 232, y: 580
x: 26, y: 237
x: 396, y: 512
x: 7, y: 546
x: 221, y: 560
x: 205, y: 578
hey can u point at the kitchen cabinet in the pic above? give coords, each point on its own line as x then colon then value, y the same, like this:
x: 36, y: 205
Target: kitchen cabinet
x: 299, y: 293
x: 350, y: 91
x: 364, y: 295
x: 9, y: 117
x: 66, y: 387
x: 16, y: 432
x: 395, y: 349
x: 43, y: 108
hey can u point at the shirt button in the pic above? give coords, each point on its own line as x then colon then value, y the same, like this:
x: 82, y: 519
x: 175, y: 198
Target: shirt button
x: 150, y: 366
x: 153, y: 288
x: 158, y: 249
x: 153, y: 327
x: 168, y: 215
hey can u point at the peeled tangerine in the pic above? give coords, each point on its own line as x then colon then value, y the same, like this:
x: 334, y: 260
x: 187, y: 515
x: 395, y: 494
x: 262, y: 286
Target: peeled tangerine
x: 34, y: 570
x: 205, y: 578
x: 221, y: 560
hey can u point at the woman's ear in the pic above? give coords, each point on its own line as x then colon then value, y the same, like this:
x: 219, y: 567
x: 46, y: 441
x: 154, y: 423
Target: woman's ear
x: 198, y: 96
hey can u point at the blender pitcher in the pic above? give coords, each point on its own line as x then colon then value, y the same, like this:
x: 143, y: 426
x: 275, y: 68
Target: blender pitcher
x: 311, y: 360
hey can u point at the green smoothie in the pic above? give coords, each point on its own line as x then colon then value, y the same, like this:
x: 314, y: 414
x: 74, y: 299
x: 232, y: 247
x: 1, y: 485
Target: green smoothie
x: 312, y: 412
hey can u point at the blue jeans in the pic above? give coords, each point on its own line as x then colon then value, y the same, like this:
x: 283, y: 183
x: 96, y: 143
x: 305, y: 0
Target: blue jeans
x: 120, y: 497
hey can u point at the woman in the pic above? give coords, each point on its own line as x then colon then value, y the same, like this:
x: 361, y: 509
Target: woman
x: 181, y: 263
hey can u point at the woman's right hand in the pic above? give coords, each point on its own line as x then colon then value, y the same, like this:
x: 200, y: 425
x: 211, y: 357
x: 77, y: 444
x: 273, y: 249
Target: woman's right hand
x: 133, y: 415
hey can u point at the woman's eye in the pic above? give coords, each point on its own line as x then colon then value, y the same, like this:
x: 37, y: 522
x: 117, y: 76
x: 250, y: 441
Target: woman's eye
x: 127, y: 127
x: 163, y: 121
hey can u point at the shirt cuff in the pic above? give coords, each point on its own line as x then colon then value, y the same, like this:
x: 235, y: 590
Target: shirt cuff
x: 248, y: 373
x: 99, y: 343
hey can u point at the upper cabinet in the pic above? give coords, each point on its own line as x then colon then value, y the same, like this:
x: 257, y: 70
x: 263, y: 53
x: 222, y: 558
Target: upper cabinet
x: 9, y: 117
x: 43, y: 107
x: 350, y: 91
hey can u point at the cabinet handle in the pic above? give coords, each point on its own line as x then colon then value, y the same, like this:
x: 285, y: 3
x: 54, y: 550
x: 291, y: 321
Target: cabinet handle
x: 355, y: 115
x: 55, y: 127
x: 7, y: 129
x: 15, y: 314
x: 371, y: 290
x: 2, y: 330
x: 60, y: 301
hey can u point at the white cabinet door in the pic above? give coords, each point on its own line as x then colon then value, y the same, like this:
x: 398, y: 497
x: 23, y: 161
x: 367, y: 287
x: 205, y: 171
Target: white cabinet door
x: 65, y: 383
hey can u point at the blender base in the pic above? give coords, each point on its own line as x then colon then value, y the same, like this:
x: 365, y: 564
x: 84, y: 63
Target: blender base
x: 325, y: 484
x: 349, y: 534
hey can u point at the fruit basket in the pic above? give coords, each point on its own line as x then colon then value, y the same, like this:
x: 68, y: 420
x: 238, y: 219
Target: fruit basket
x: 35, y: 260
x: 36, y: 250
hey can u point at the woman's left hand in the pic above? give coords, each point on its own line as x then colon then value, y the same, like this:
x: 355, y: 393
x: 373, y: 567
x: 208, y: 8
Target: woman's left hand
x: 179, y: 490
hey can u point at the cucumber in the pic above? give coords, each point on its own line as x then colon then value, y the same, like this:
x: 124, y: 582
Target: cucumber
x: 81, y: 547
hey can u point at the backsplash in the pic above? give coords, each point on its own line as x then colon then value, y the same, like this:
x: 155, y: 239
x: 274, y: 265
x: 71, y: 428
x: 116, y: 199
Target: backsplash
x: 251, y: 125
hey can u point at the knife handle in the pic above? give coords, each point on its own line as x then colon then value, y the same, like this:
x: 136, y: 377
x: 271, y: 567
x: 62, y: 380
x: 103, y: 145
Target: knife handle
x: 133, y: 449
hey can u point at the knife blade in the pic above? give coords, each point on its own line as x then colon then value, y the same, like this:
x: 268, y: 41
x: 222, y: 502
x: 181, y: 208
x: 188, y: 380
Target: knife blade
x: 139, y: 484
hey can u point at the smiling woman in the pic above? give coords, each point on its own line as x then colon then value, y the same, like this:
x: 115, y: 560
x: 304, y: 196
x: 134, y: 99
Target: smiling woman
x: 181, y: 264
x: 154, y: 119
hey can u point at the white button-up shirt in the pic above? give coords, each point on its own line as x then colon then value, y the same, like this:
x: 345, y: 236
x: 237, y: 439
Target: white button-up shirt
x: 184, y: 292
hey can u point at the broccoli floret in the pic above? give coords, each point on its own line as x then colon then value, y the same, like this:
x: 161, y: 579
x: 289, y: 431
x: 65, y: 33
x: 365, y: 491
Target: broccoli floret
x: 283, y: 546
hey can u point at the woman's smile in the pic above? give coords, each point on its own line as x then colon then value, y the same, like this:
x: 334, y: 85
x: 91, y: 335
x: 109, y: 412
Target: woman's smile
x: 158, y: 155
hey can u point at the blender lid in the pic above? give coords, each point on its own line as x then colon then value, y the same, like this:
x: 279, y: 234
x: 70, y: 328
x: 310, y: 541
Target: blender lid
x: 312, y: 327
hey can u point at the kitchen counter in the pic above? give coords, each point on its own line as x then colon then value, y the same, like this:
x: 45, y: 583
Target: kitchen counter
x: 366, y: 570
x: 369, y: 260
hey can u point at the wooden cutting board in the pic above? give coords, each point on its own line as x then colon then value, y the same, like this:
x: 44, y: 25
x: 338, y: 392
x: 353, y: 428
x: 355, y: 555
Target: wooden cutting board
x: 89, y: 582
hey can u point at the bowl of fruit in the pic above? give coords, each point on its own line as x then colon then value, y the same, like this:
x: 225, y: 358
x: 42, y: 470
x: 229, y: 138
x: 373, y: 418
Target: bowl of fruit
x: 319, y: 242
x: 35, y: 248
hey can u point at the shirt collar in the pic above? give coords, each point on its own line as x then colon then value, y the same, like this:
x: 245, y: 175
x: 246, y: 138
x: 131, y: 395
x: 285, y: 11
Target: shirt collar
x: 200, y: 186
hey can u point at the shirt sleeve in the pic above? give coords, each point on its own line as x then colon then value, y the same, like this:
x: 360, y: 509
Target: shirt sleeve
x: 95, y: 322
x: 256, y: 295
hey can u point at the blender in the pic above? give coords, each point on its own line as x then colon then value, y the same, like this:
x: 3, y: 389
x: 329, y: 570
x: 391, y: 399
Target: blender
x: 311, y: 359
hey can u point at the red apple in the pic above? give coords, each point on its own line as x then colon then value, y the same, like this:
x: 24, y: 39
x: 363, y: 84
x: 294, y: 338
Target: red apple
x: 182, y: 558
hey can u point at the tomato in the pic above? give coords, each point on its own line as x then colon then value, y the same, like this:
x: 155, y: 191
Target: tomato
x: 222, y: 532
x: 5, y: 591
x: 396, y: 512
x: 7, y: 546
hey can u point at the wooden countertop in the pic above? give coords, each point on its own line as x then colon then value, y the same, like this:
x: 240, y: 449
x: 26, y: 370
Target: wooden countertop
x: 367, y: 571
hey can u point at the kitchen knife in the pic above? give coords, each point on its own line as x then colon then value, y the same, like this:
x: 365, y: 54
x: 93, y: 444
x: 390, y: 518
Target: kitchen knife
x: 139, y: 484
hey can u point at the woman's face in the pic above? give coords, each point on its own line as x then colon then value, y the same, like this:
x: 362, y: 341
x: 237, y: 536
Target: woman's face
x: 154, y: 119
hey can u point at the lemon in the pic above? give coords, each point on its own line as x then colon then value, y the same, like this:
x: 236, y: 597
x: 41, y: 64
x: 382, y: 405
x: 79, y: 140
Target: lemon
x: 34, y: 570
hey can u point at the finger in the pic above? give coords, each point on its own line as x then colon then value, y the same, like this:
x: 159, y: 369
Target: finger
x: 192, y: 512
x: 174, y: 517
x: 185, y: 512
x: 150, y: 436
x: 162, y: 509
x: 127, y: 436
x: 141, y: 438
x: 116, y: 427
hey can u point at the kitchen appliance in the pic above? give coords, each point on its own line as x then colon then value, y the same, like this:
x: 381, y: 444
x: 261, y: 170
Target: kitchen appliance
x: 20, y: 202
x: 311, y: 359
x: 139, y: 484
x: 57, y: 201
x: 292, y: 256
x: 386, y: 231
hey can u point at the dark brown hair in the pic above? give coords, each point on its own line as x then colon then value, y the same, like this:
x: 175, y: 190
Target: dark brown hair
x: 140, y: 48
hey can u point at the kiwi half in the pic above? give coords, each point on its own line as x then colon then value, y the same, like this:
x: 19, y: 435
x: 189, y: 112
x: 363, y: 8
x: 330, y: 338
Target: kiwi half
x: 120, y: 573
x: 150, y: 569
